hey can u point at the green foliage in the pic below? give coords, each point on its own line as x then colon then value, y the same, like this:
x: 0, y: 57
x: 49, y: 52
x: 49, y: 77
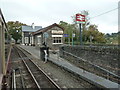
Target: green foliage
x: 15, y: 29
x: 113, y: 38
x: 90, y: 34
x: 69, y: 29
x: 93, y: 34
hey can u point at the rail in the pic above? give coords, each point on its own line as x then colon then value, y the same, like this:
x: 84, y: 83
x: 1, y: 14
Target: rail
x: 29, y: 71
x: 57, y: 86
x: 13, y: 80
x: 22, y: 80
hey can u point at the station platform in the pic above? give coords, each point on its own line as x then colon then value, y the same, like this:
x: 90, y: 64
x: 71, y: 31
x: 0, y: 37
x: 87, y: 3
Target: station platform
x: 90, y: 77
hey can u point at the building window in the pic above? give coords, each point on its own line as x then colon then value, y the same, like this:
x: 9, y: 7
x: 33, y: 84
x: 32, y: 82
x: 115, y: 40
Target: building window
x: 57, y: 40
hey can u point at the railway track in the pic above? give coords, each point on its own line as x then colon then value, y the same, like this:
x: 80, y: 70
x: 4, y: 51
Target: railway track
x: 17, y: 79
x: 38, y: 78
x: 35, y: 77
x: 83, y: 83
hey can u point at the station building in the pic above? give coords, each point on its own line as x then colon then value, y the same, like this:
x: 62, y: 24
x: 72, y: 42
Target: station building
x: 51, y: 35
x: 27, y: 38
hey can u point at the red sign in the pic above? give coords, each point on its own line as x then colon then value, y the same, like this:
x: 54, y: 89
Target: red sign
x: 80, y: 17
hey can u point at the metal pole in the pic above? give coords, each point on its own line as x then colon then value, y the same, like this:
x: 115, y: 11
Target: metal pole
x: 80, y: 34
x: 72, y: 38
x: 69, y: 40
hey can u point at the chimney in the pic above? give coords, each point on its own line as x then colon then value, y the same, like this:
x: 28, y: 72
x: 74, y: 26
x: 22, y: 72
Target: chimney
x: 33, y: 26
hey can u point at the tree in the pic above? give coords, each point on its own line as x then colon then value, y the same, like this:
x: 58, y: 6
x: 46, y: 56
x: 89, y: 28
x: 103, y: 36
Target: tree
x: 89, y: 34
x: 68, y: 29
x: 113, y: 38
x: 93, y: 34
x: 15, y: 29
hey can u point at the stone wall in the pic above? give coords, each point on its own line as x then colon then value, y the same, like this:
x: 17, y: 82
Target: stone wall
x: 93, y: 58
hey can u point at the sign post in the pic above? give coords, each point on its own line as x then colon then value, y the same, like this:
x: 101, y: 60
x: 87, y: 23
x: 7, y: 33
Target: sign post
x: 80, y: 19
x: 73, y: 35
x: 80, y: 33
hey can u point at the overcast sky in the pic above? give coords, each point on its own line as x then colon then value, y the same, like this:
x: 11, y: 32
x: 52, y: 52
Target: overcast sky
x: 47, y: 12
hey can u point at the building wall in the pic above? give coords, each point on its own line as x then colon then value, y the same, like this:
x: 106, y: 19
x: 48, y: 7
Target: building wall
x: 23, y: 38
x: 32, y: 40
x: 51, y: 37
x: 38, y: 40
x: 35, y: 40
x: 55, y: 31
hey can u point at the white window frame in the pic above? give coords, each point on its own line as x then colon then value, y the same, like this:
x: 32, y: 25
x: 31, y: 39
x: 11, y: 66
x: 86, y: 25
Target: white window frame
x: 56, y: 37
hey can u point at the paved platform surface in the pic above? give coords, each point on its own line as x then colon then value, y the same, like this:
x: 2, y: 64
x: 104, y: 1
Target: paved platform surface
x: 94, y: 79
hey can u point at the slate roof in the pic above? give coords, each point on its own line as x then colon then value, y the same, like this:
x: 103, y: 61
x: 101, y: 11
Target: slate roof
x: 30, y: 29
x: 46, y: 29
